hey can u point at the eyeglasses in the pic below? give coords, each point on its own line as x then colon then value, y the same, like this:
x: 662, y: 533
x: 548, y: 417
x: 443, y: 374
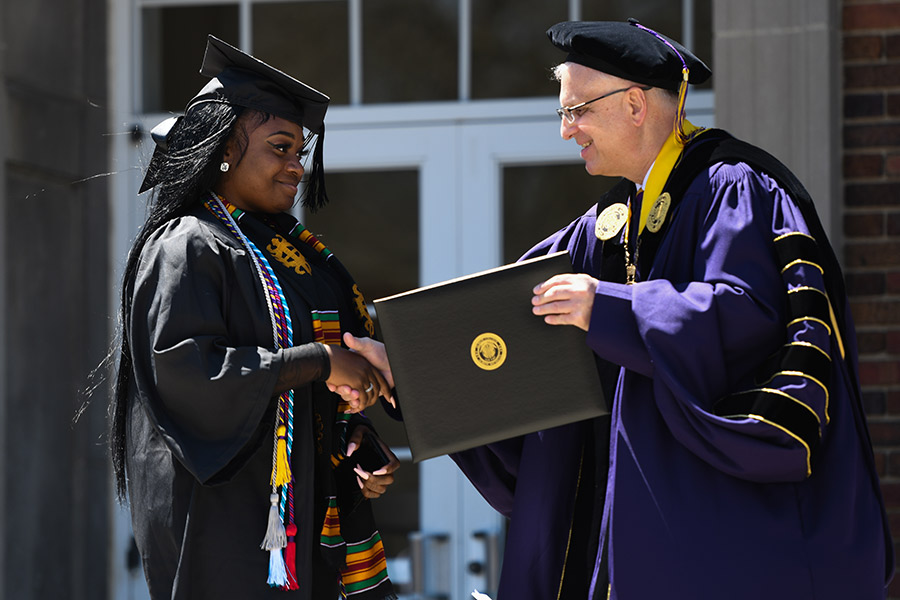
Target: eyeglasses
x: 569, y: 112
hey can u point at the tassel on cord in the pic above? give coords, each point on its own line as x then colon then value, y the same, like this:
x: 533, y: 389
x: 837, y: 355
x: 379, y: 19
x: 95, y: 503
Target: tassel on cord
x: 275, y: 537
x: 290, y: 559
x: 277, y: 575
x: 679, y: 114
x: 274, y: 541
x: 281, y: 473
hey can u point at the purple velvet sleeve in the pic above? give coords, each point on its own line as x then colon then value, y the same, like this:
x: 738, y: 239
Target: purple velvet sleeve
x: 705, y: 318
x: 492, y: 469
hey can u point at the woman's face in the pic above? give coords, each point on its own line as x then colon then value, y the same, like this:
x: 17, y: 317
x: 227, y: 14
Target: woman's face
x: 265, y: 177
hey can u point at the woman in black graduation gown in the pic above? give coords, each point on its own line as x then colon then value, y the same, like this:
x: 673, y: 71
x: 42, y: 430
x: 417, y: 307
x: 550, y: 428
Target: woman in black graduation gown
x: 235, y: 451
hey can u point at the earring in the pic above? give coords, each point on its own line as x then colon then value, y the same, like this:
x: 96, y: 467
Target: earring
x: 224, y: 166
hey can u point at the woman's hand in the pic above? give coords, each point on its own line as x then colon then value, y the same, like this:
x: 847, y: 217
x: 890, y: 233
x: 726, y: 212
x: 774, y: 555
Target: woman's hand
x: 374, y: 352
x: 351, y: 370
x: 374, y: 484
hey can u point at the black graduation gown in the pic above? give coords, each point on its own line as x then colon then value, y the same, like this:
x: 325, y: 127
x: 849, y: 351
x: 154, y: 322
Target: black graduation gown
x: 201, y: 418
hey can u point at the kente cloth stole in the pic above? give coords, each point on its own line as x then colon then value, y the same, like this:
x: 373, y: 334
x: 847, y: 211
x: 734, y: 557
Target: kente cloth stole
x: 352, y: 541
x: 364, y: 572
x: 285, y: 252
x: 303, y: 234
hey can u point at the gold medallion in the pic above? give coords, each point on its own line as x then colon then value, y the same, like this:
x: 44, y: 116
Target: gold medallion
x: 488, y: 351
x: 658, y: 212
x: 610, y: 221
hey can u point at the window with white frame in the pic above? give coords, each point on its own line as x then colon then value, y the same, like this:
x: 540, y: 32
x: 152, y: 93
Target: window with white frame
x: 387, y: 51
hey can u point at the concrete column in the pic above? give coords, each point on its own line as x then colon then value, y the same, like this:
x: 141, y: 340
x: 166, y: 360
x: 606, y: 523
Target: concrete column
x: 4, y: 515
x: 777, y: 83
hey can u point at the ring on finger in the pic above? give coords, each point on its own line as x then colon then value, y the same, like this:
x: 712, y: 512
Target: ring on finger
x: 370, y: 388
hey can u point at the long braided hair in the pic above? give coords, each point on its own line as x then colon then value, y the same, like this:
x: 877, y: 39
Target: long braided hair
x: 181, y: 174
x: 188, y: 167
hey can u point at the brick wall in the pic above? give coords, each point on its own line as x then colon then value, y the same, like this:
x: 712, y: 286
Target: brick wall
x: 871, y: 164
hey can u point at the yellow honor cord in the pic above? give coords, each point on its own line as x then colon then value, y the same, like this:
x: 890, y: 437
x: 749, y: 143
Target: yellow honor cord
x: 281, y: 474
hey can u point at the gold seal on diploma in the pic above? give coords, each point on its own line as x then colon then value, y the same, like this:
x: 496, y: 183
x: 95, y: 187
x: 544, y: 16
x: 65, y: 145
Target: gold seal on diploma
x: 658, y: 212
x: 488, y: 351
x: 610, y: 221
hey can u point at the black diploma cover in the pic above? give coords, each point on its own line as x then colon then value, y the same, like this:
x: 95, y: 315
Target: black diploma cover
x: 473, y: 365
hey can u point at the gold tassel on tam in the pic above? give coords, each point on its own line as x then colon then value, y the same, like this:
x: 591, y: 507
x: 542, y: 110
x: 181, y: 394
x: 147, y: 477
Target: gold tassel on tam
x: 281, y: 473
x: 681, y: 137
x: 680, y: 134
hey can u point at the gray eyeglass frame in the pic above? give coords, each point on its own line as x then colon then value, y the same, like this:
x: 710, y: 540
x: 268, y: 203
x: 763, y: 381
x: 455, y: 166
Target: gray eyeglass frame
x: 567, y: 112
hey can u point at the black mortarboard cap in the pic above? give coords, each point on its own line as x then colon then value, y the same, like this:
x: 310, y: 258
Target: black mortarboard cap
x: 247, y: 81
x: 244, y: 80
x: 628, y: 50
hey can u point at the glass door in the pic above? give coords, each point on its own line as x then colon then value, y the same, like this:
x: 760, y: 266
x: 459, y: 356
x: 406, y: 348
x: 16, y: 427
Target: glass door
x: 399, y: 170
x: 372, y: 226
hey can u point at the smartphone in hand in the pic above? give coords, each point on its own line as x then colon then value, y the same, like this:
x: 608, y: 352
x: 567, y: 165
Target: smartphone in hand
x: 369, y: 455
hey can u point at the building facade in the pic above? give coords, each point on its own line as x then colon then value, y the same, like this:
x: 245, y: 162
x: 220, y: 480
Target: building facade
x: 442, y: 152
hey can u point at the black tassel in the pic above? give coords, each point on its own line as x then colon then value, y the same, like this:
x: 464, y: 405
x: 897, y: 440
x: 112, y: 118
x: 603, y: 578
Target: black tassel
x: 314, y: 196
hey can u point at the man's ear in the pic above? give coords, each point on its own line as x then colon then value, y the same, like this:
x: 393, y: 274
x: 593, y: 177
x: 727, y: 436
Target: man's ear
x: 636, y: 101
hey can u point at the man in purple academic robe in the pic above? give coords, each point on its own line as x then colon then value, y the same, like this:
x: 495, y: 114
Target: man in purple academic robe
x: 736, y: 461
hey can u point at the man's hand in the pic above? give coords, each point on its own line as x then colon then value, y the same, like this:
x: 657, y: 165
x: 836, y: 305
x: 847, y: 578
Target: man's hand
x: 350, y: 370
x: 373, y: 351
x: 566, y: 299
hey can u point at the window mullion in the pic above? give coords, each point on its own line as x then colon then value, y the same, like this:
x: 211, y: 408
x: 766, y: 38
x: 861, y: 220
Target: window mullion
x: 356, y: 54
x: 245, y: 25
x: 465, y: 50
x: 687, y: 20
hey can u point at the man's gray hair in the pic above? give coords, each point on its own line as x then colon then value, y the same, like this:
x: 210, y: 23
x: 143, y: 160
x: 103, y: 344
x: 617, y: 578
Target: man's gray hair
x: 558, y: 70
